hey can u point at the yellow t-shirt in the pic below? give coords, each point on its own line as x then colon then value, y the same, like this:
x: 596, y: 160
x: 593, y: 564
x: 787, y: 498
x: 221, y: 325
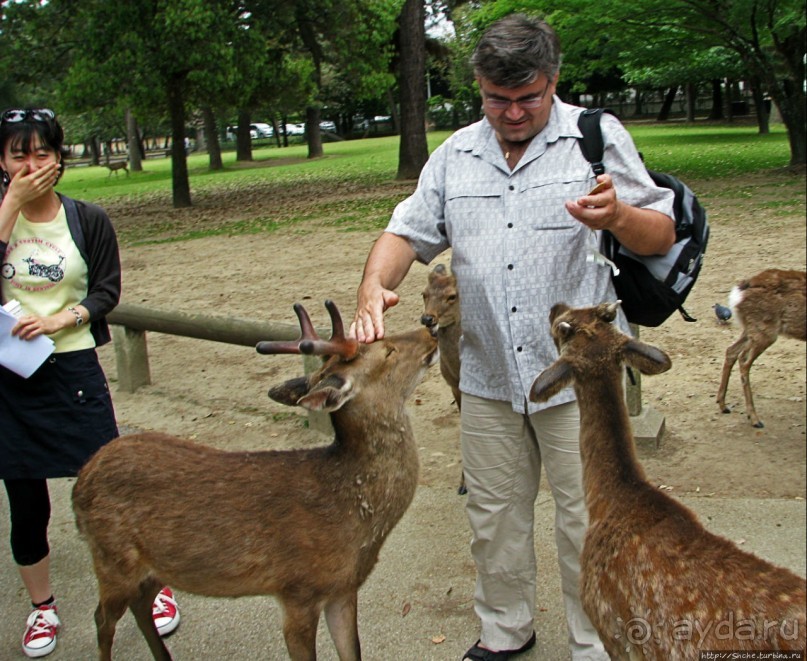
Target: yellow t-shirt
x: 44, y: 271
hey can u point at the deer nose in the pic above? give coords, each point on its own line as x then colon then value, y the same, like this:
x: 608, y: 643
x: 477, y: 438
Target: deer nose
x: 428, y: 320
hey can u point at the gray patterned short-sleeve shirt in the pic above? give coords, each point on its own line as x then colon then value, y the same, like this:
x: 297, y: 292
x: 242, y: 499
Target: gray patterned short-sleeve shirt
x: 516, y: 251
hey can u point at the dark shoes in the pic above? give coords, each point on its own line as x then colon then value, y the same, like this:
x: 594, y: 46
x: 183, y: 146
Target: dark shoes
x: 477, y: 653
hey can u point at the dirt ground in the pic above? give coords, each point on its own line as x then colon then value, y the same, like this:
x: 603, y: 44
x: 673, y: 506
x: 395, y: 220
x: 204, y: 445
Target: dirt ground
x: 216, y: 393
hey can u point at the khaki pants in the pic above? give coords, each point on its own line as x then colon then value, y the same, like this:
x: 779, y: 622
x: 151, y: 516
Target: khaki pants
x: 502, y: 454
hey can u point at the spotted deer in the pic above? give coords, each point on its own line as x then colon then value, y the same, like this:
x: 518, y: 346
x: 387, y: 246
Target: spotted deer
x: 770, y: 304
x: 441, y: 311
x: 304, y: 525
x: 654, y: 582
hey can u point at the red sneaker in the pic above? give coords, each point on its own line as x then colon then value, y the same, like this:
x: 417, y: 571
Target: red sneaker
x: 165, y: 612
x: 40, y: 631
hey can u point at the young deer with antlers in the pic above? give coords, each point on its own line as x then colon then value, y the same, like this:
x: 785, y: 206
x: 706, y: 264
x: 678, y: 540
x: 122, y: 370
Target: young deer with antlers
x: 441, y: 312
x: 303, y: 525
x: 647, y: 562
x: 772, y: 303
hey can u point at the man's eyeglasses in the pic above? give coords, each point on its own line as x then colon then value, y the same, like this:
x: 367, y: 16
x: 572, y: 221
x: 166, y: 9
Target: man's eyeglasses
x: 37, y: 114
x: 527, y: 103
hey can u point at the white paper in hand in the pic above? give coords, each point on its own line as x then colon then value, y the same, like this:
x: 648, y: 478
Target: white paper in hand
x: 22, y: 357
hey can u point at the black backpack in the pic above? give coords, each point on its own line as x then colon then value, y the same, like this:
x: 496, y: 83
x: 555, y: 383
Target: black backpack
x: 652, y: 287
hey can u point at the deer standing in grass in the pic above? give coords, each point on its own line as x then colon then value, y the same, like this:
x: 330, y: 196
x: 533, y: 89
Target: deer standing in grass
x: 116, y: 166
x: 770, y: 304
x: 303, y: 525
x: 441, y: 311
x: 654, y: 582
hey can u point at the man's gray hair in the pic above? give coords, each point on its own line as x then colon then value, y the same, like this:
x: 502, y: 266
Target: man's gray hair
x: 515, y: 50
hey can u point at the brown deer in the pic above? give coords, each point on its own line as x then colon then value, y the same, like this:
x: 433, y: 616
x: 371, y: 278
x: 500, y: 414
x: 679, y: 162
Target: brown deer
x: 115, y: 166
x: 303, y: 525
x: 654, y: 582
x: 441, y: 311
x: 770, y: 304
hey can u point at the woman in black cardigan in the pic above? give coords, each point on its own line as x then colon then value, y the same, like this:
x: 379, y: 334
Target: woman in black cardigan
x: 60, y: 261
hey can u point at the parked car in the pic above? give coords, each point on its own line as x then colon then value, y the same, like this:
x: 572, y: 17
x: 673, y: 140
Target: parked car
x: 295, y: 129
x: 261, y: 130
x: 327, y: 125
x: 257, y: 130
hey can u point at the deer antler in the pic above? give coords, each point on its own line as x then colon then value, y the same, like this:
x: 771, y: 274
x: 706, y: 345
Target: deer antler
x: 310, y: 343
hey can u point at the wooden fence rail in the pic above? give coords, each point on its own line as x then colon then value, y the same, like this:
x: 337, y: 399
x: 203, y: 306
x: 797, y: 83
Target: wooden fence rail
x: 131, y: 322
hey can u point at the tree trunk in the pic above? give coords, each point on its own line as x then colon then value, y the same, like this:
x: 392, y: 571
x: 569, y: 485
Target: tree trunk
x: 179, y: 165
x: 664, y: 113
x: 133, y: 139
x: 762, y: 113
x: 716, y: 111
x: 95, y: 151
x: 692, y: 97
x: 414, y: 150
x: 638, y: 103
x: 312, y: 132
x: 212, y: 139
x: 243, y: 141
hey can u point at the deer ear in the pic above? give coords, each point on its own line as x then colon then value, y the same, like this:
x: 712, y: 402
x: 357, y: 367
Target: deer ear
x: 647, y: 359
x: 290, y: 391
x: 551, y: 381
x: 607, y: 311
x: 557, y: 310
x: 329, y: 394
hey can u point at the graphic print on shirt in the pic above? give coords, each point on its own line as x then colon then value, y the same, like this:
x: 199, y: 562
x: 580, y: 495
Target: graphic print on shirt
x: 33, y: 264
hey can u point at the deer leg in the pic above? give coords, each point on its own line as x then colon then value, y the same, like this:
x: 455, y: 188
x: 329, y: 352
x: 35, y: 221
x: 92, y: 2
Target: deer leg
x: 107, y: 614
x: 141, y: 607
x: 300, y: 630
x: 732, y: 353
x: 754, y: 349
x: 341, y: 617
x: 461, y: 489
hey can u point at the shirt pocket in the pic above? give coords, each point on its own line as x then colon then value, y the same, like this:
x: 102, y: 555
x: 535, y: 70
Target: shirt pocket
x: 545, y: 197
x: 473, y: 209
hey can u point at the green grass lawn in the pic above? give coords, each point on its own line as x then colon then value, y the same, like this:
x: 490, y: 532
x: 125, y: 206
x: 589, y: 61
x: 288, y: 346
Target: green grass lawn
x: 353, y: 186
x: 690, y: 151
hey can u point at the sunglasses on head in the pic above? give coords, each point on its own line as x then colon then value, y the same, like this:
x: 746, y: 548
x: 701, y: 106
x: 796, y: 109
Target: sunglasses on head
x: 37, y: 114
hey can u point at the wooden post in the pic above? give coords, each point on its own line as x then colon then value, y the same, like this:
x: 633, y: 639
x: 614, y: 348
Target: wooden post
x: 647, y: 423
x: 131, y: 358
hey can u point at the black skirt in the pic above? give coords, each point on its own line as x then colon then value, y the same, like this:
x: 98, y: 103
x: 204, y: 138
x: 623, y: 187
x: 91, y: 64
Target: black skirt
x: 52, y: 422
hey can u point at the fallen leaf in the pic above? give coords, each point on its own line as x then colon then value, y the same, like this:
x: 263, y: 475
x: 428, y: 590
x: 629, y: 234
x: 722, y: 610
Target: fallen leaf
x: 438, y: 639
x: 406, y: 608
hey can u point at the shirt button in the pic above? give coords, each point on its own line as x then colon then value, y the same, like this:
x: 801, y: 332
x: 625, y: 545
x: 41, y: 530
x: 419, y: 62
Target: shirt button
x: 518, y: 349
x: 509, y: 267
x: 511, y: 187
x: 509, y: 225
x: 513, y: 309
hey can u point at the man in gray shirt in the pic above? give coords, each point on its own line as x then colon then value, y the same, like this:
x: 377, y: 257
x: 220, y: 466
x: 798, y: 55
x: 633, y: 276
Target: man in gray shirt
x: 510, y: 196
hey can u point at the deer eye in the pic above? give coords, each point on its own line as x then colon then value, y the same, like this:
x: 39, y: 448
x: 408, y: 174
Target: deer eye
x: 565, y: 329
x: 452, y: 298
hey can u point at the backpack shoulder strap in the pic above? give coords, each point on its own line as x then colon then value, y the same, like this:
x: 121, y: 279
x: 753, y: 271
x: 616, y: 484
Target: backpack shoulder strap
x: 591, y: 144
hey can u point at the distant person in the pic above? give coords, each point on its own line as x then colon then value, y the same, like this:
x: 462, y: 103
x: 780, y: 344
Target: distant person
x: 510, y: 196
x: 61, y: 263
